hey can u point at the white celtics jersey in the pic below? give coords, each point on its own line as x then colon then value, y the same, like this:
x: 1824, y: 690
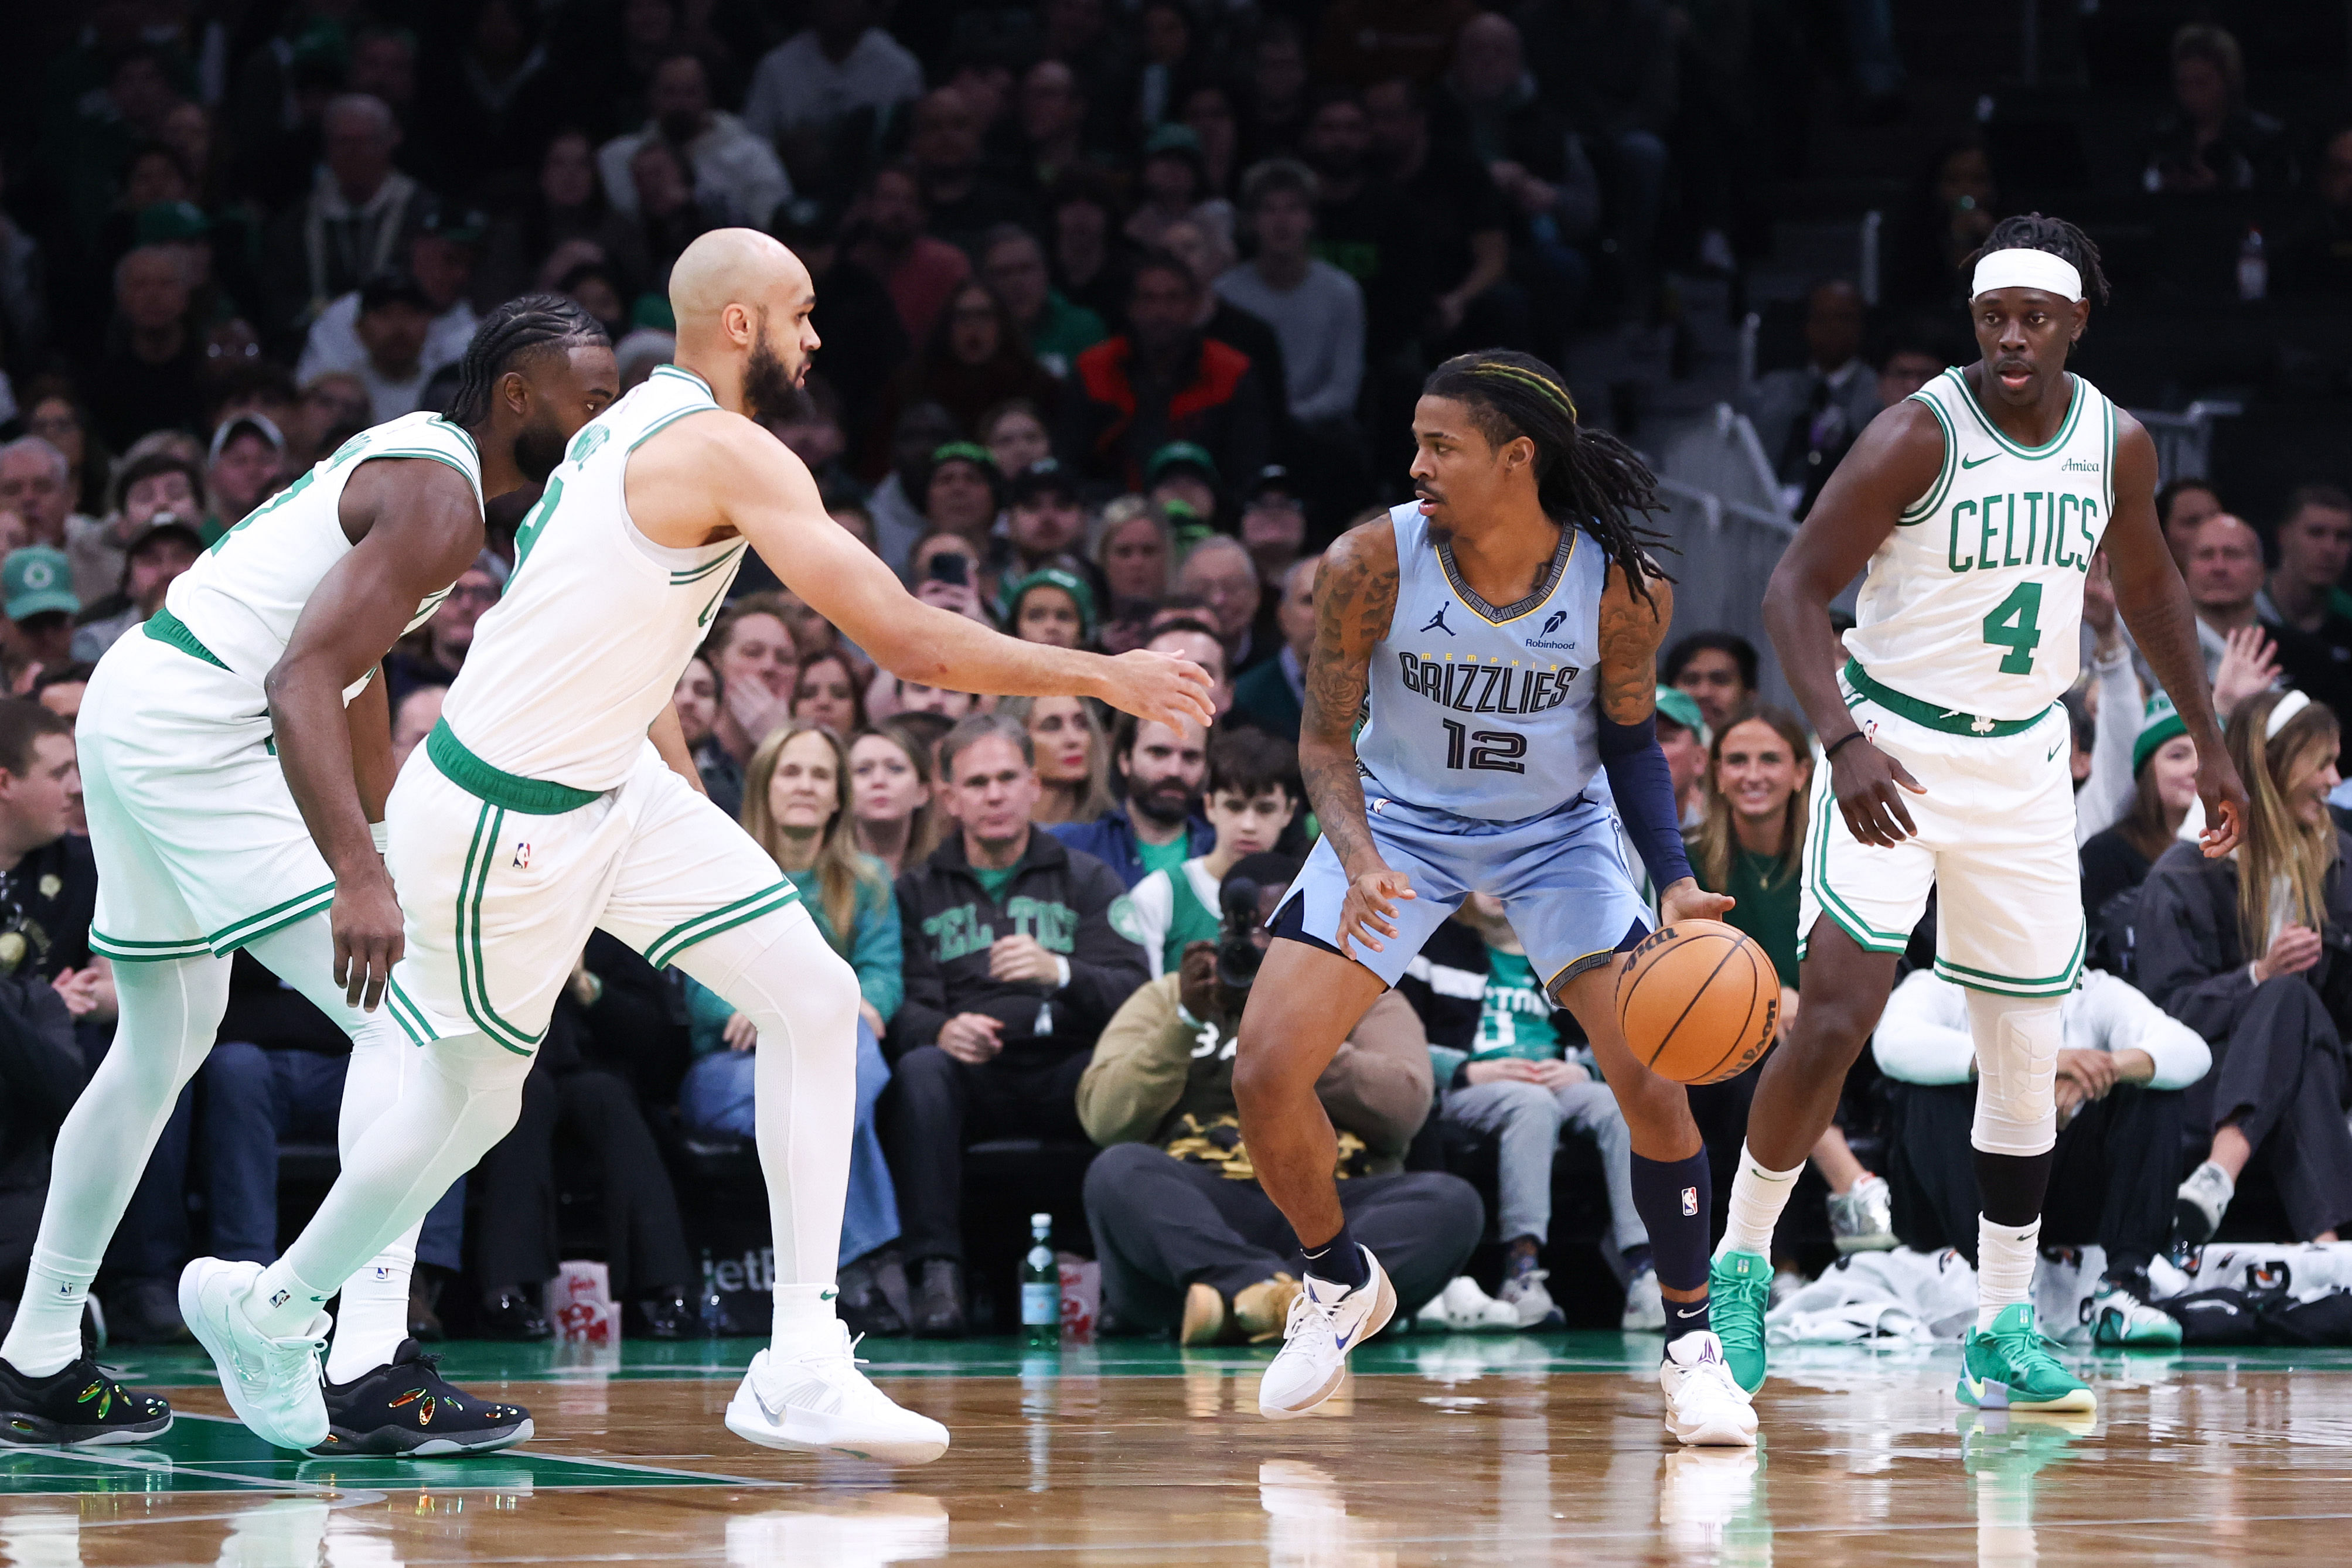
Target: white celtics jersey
x: 243, y: 597
x: 581, y: 653
x: 1974, y: 603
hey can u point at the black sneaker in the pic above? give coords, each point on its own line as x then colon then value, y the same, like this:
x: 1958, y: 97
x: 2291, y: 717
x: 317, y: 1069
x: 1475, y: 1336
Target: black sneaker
x: 80, y: 1407
x: 406, y: 1407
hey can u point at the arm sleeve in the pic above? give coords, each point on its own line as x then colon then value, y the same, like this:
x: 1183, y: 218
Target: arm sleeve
x: 1378, y: 1085
x: 1645, y: 788
x: 879, y: 957
x: 2124, y: 1020
x: 1137, y: 1072
x: 924, y: 1006
x: 1923, y: 1036
x: 2106, y: 795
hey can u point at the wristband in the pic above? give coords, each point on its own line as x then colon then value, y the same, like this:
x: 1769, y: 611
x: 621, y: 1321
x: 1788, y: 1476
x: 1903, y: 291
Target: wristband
x: 1829, y: 753
x: 1061, y: 973
x: 380, y: 833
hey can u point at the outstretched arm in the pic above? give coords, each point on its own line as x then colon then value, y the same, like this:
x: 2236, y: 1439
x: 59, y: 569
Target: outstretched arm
x: 2154, y: 604
x: 768, y: 496
x: 422, y: 529
x: 1894, y: 463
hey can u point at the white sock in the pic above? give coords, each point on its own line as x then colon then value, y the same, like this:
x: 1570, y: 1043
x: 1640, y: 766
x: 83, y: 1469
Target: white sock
x: 2005, y: 1259
x: 1758, y: 1196
x: 804, y: 1318
x: 170, y: 1010
x: 373, y: 1317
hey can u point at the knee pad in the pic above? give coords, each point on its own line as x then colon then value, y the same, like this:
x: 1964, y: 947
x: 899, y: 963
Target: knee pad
x: 2016, y: 1046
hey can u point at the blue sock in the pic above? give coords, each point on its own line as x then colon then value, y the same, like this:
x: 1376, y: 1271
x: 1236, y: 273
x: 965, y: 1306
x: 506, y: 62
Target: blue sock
x: 1338, y: 1260
x: 1674, y: 1199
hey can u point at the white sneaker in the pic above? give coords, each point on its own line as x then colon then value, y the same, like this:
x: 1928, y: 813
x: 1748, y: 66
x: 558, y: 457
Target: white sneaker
x: 1706, y: 1407
x: 1463, y: 1308
x: 2203, y: 1199
x: 819, y: 1401
x: 2117, y: 1317
x: 1530, y: 1298
x: 1646, y: 1305
x: 1327, y: 1320
x: 272, y: 1385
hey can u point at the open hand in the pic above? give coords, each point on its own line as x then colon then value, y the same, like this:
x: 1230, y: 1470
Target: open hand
x: 2248, y: 665
x: 2293, y: 950
x: 1869, y: 784
x: 1162, y: 688
x: 366, y: 923
x: 1370, y: 906
x: 1687, y: 901
x: 757, y: 710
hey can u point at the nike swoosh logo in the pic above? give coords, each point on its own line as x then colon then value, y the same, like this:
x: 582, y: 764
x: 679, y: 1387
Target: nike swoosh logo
x: 829, y: 1295
x: 704, y: 620
x: 2053, y: 751
x: 1978, y: 462
x: 1340, y: 1340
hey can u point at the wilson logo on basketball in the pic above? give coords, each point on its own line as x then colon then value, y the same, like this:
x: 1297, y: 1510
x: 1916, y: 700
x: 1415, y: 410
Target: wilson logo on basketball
x: 1698, y: 1001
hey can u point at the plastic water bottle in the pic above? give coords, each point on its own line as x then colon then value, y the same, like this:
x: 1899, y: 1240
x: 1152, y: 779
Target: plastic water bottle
x: 1041, y: 1289
x: 2253, y: 267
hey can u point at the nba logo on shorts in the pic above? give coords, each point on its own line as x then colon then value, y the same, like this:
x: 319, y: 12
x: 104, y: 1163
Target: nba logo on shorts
x: 1690, y: 1200
x: 523, y: 855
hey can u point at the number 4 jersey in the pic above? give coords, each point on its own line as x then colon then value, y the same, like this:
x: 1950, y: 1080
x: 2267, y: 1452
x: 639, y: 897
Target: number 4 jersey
x: 1479, y: 711
x: 1972, y: 604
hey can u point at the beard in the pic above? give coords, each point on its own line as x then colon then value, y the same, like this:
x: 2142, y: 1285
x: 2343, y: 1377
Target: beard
x: 1166, y: 803
x: 768, y: 387
x: 537, y: 450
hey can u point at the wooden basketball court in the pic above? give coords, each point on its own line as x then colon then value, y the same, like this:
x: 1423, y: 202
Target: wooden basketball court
x: 1515, y: 1450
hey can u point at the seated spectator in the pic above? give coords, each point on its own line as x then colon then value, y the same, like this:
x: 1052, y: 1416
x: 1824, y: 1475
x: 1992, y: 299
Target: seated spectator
x: 840, y: 62
x: 1717, y: 668
x: 1073, y: 757
x: 39, y: 607
x: 566, y: 207
x: 55, y: 413
x: 36, y: 484
x: 1219, y: 569
x: 1016, y: 436
x: 1252, y: 794
x: 1190, y: 1242
x: 413, y: 719
x: 961, y: 193
x: 2117, y: 859
x: 888, y: 236
x: 831, y: 694
x: 2311, y: 616
x: 149, y: 378
x: 1158, y: 773
x: 354, y: 222
x: 1181, y: 480
x: 696, y: 700
x: 1091, y: 260
x: 1806, y: 418
x: 1274, y: 696
x: 448, y: 637
x: 1456, y: 272
x: 2314, y: 261
x: 61, y: 689
x: 729, y: 161
x: 1683, y: 737
x: 275, y: 1076
x: 890, y: 796
x: 159, y: 553
x: 798, y: 809
x: 1050, y: 108
x: 610, y: 1012
x: 1053, y: 607
x: 2182, y: 505
x: 2233, y: 949
x: 2121, y: 1069
x: 1173, y: 181
x: 938, y: 701
x: 395, y: 320
x: 1161, y: 381
x: 750, y: 650
x: 2223, y: 574
x: 440, y: 257
x: 1135, y: 552
x: 2211, y: 140
x: 1002, y: 1008
x: 245, y: 465
x: 973, y: 360
x: 962, y: 496
x: 1184, y: 630
x: 144, y: 489
x: 1906, y: 367
x: 1014, y: 264
x: 945, y: 570
x: 1274, y: 522
x: 1045, y: 524
x: 1520, y: 1086
x: 332, y: 409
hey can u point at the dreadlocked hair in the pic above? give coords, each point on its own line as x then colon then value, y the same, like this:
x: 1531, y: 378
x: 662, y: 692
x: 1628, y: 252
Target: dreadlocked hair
x: 1587, y: 478
x: 2033, y: 231
x: 516, y: 330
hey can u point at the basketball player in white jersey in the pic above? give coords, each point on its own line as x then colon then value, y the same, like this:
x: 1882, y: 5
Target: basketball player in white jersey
x: 204, y: 849
x: 1977, y: 505
x: 538, y: 810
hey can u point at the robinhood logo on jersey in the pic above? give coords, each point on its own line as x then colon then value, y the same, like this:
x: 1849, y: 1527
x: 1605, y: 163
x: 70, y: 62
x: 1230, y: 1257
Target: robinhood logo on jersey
x: 1552, y: 623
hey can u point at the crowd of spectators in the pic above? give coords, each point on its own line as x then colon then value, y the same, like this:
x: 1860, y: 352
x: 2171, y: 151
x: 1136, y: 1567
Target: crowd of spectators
x: 1124, y: 308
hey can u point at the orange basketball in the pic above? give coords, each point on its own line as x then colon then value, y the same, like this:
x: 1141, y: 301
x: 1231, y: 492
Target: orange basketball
x: 1698, y: 1001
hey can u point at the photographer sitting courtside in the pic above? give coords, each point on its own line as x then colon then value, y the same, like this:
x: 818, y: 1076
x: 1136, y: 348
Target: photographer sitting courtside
x: 1011, y: 970
x: 1189, y: 1239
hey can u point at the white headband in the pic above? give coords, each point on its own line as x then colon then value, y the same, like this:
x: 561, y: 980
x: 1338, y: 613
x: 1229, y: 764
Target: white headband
x: 2023, y: 268
x: 2293, y: 703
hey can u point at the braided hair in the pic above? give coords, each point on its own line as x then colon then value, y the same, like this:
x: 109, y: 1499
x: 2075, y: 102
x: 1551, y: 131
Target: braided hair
x: 1587, y: 478
x: 2033, y: 231
x: 510, y: 334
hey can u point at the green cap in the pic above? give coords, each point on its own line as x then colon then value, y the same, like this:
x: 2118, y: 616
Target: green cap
x: 1070, y: 583
x: 1676, y: 706
x: 2158, y: 724
x: 967, y: 452
x: 1180, y: 453
x: 37, y: 579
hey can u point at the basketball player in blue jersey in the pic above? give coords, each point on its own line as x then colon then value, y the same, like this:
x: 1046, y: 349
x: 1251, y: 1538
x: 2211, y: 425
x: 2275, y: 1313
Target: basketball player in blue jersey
x: 1975, y: 504
x: 1501, y: 638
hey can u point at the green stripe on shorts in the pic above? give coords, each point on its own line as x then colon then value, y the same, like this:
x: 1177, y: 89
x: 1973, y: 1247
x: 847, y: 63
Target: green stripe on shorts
x: 2057, y: 985
x: 408, y: 1015
x: 122, y: 950
x: 277, y: 917
x: 1842, y: 913
x: 473, y: 984
x: 726, y: 917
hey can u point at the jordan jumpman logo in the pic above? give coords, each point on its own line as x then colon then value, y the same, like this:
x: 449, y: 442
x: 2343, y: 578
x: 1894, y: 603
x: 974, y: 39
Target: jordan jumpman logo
x: 1438, y: 622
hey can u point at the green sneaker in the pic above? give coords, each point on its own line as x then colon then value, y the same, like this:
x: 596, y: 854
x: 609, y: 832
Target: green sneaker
x: 1738, y: 1289
x: 2010, y: 1369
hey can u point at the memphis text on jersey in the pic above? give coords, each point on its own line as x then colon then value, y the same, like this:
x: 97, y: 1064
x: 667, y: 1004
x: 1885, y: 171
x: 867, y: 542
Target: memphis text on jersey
x: 2023, y: 528
x: 1468, y: 685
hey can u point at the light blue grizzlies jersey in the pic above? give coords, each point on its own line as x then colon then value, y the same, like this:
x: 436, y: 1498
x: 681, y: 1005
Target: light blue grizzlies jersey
x: 1479, y: 711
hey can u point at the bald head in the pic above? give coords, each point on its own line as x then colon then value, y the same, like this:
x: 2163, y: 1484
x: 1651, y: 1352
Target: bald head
x: 743, y: 303
x: 2225, y: 570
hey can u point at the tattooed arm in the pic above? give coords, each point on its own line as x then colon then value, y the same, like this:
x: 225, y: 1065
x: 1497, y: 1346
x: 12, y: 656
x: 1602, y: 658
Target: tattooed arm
x: 1355, y: 596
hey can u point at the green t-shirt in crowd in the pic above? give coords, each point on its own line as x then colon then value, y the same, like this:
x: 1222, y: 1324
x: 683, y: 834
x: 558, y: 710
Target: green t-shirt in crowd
x: 1767, y: 908
x: 1166, y: 857
x: 996, y: 882
x: 1515, y: 1016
